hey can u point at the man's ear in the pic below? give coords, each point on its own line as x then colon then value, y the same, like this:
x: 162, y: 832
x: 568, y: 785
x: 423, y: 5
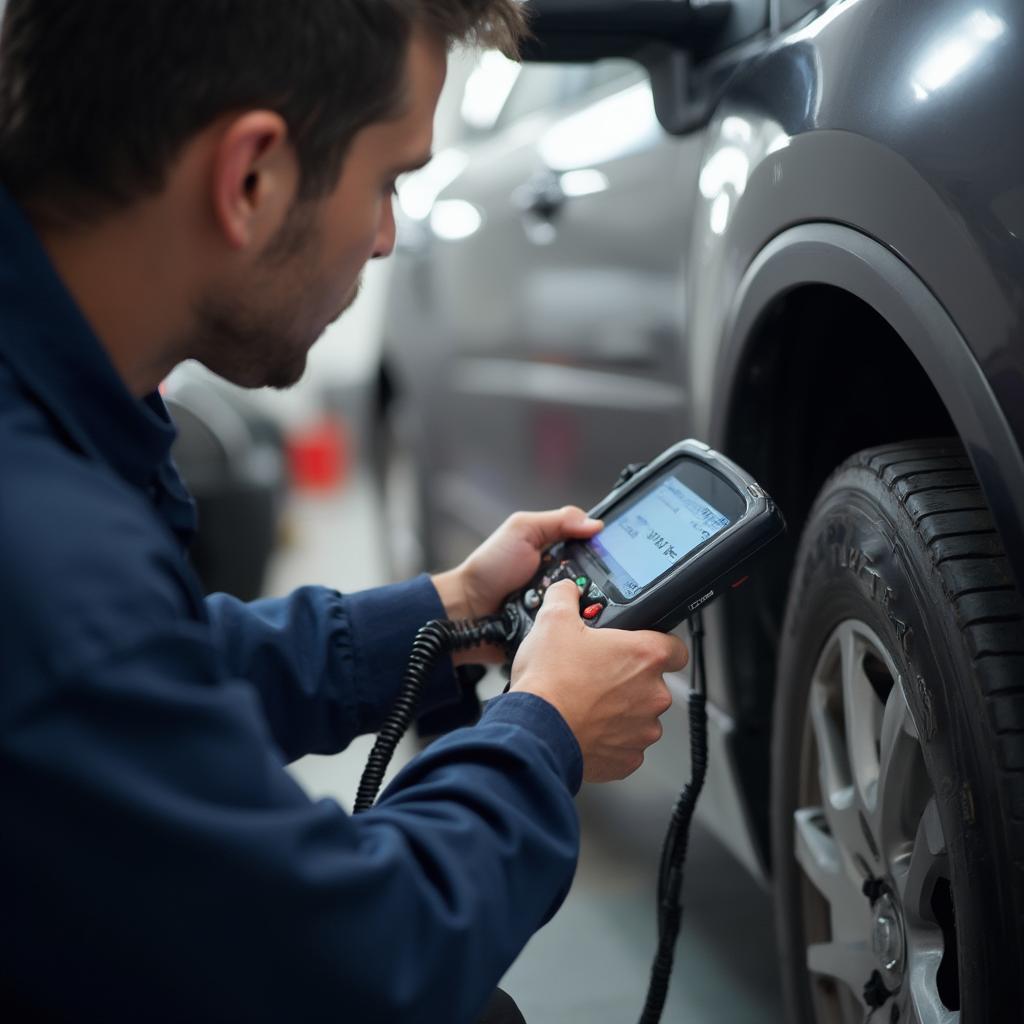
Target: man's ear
x: 255, y: 177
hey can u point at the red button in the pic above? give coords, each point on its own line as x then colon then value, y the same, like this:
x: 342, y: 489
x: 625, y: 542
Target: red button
x: 592, y: 611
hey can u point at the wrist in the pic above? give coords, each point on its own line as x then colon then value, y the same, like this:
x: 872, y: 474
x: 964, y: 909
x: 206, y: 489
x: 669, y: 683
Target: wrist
x: 548, y: 694
x: 452, y: 592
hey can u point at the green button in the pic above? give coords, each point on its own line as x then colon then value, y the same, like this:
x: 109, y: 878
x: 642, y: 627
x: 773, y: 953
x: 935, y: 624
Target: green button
x: 581, y: 581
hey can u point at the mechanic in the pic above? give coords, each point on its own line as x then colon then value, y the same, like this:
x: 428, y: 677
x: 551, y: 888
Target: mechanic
x: 206, y: 179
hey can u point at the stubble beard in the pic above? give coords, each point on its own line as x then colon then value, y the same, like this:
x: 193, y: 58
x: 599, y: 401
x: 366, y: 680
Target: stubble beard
x: 260, y: 336
x: 247, y: 350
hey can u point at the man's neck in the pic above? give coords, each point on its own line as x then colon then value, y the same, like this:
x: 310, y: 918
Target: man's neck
x: 131, y: 287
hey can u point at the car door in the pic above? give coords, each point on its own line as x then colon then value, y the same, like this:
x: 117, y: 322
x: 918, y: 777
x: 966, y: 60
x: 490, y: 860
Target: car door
x: 564, y: 306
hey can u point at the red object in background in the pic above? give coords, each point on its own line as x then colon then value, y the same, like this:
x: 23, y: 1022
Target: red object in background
x: 318, y: 456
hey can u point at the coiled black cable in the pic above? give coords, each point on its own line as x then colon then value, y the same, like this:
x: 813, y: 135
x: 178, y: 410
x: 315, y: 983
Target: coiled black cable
x: 673, y: 851
x: 440, y: 636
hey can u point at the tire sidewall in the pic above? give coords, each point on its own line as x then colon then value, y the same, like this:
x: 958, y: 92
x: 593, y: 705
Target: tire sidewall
x: 861, y: 557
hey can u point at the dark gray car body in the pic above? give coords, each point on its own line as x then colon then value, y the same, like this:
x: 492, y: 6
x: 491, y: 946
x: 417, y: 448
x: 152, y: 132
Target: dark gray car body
x: 831, y: 258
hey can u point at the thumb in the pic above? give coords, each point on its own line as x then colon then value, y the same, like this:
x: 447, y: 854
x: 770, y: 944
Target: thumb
x: 544, y: 528
x: 561, y: 598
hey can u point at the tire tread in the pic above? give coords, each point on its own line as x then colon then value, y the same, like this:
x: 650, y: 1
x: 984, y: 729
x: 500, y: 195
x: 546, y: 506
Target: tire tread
x: 934, y: 483
x: 943, y: 516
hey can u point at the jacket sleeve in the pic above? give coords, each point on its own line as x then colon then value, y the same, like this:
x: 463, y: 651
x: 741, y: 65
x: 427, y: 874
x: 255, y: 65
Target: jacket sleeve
x: 171, y: 869
x: 328, y: 667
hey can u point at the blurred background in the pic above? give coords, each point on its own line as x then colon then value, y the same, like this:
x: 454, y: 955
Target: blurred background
x: 420, y: 424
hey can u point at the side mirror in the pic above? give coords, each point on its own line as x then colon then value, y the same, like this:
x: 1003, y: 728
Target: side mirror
x: 663, y: 35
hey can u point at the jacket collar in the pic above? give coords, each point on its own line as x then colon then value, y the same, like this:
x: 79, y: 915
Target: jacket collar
x: 51, y: 348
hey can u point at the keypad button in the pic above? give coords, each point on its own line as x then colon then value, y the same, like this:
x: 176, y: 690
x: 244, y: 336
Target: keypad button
x: 595, y: 593
x: 532, y: 600
x: 592, y: 611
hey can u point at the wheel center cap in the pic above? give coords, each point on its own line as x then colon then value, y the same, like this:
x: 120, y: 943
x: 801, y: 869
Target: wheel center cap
x: 887, y: 937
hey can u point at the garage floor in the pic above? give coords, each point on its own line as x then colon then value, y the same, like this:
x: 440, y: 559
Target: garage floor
x: 591, y: 963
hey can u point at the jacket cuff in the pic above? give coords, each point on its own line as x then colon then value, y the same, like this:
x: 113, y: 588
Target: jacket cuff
x: 384, y: 623
x: 536, y: 715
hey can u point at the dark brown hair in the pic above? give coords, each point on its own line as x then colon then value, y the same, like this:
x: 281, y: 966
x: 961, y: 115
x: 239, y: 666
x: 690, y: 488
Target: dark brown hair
x: 97, y: 97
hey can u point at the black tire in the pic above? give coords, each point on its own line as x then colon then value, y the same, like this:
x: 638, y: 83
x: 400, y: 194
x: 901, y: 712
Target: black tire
x: 901, y: 573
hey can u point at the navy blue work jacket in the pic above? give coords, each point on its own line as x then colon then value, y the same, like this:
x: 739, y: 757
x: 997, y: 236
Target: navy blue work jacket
x: 157, y: 863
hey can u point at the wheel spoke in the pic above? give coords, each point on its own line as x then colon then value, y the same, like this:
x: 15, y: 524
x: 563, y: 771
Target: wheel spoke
x: 820, y: 856
x: 860, y: 708
x: 923, y: 1004
x: 848, y: 824
x: 832, y: 760
x: 916, y: 872
x: 817, y: 853
x: 896, y: 720
x: 841, y: 805
x: 899, y: 749
x: 848, y: 962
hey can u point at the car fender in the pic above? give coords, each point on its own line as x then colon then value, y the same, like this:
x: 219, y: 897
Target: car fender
x: 823, y: 166
x: 837, y: 255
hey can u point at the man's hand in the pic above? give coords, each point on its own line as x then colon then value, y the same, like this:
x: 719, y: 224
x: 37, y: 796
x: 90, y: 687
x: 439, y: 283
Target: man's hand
x: 508, y: 559
x: 607, y: 683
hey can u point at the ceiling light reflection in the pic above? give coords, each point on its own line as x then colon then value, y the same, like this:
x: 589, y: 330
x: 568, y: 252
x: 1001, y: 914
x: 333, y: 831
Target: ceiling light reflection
x: 720, y: 213
x: 455, y: 219
x: 957, y: 52
x: 487, y: 89
x: 584, y: 182
x: 816, y: 27
x: 417, y: 191
x: 612, y: 128
x: 728, y: 166
x: 736, y: 129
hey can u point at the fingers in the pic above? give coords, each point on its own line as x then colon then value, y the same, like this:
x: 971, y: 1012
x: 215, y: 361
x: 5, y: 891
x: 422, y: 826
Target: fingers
x: 677, y: 656
x: 561, y: 598
x: 608, y: 684
x: 662, y: 702
x: 544, y: 528
x: 667, y: 653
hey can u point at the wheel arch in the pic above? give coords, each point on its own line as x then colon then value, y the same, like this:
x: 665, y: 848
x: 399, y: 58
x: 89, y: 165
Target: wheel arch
x: 815, y: 312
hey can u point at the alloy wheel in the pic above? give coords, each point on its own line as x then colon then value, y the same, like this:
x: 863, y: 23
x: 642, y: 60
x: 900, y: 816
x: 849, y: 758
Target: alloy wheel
x: 876, y: 888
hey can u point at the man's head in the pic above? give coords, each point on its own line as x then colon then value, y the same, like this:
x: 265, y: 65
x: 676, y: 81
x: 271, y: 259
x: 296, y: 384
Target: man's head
x: 268, y: 131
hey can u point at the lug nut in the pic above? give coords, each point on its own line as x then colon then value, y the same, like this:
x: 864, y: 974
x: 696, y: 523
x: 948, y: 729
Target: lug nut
x: 875, y: 992
x: 874, y: 889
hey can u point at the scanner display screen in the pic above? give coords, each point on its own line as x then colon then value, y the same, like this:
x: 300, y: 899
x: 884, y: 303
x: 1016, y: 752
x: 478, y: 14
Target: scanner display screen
x: 652, y: 534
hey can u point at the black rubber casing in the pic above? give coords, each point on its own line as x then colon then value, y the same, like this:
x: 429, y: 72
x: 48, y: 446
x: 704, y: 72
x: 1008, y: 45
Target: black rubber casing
x: 694, y: 581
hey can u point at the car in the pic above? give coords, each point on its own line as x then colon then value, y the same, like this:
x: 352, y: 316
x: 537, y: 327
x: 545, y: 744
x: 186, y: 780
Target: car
x: 795, y: 231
